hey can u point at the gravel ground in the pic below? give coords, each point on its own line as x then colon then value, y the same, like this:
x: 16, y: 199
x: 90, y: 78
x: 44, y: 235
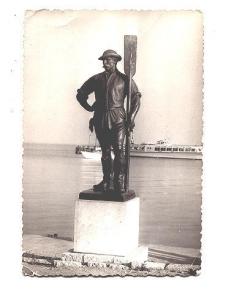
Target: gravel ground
x: 84, y: 271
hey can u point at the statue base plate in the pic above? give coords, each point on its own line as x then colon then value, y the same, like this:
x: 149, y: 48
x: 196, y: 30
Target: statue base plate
x: 107, y: 196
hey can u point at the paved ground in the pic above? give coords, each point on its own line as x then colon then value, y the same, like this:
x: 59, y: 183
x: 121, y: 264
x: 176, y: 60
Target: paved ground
x: 45, y: 246
x: 40, y: 253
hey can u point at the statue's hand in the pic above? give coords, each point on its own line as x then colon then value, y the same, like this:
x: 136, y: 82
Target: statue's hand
x: 91, y: 125
x: 93, y: 106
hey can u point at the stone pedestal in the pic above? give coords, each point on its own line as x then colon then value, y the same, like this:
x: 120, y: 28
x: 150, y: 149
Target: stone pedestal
x: 107, y: 227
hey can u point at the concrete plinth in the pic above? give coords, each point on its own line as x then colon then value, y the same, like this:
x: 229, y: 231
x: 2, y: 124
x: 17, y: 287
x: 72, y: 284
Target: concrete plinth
x: 106, y: 227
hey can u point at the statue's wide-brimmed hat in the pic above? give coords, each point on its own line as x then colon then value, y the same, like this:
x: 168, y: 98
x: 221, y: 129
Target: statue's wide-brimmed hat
x: 110, y: 53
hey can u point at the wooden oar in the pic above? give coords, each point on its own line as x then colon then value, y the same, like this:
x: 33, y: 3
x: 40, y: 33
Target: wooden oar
x: 130, y: 47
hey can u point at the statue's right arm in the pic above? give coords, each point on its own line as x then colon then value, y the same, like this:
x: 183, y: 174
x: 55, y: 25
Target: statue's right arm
x: 83, y: 93
x: 135, y: 104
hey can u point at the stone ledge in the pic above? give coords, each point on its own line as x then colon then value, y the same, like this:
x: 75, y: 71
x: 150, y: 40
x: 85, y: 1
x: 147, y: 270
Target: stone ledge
x: 151, y: 266
x: 73, y: 264
x: 69, y: 257
x: 92, y: 258
x: 139, y: 255
x: 137, y: 260
x: 36, y: 260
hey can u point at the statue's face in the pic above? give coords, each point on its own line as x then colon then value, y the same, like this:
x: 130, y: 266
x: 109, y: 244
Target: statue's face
x: 109, y: 63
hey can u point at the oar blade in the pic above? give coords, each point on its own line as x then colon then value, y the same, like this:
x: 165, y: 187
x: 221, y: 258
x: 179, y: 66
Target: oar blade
x: 130, y: 50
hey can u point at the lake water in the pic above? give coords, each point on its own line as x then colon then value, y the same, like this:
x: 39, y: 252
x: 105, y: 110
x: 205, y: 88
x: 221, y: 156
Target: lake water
x: 169, y: 191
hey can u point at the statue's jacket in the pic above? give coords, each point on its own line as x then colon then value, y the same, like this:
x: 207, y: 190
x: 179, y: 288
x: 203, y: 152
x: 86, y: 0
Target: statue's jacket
x: 110, y: 93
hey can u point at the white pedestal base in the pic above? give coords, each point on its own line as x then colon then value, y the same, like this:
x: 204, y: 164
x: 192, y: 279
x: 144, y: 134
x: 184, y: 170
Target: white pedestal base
x: 106, y: 227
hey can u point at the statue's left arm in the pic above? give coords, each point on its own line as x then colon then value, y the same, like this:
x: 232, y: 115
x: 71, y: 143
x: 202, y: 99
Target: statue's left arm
x: 134, y: 105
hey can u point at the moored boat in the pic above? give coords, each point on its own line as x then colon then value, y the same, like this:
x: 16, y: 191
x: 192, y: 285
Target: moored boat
x: 96, y: 155
x: 158, y: 150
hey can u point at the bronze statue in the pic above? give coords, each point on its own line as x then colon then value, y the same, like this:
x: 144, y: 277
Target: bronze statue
x: 109, y: 120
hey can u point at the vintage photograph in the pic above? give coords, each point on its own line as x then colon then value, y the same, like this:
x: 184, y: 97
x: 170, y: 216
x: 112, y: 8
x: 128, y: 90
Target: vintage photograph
x: 112, y: 128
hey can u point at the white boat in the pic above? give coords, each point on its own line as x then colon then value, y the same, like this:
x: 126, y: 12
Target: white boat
x: 158, y: 150
x: 96, y: 155
x: 163, y: 150
x: 167, y: 154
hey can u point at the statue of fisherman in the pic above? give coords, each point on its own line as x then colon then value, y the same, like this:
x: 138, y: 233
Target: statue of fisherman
x: 109, y: 120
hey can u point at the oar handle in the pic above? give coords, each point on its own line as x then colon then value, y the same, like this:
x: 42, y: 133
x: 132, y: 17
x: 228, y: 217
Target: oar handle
x: 127, y: 145
x: 130, y: 46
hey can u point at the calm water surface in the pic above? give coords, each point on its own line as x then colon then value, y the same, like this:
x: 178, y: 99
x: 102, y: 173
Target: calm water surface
x: 169, y: 190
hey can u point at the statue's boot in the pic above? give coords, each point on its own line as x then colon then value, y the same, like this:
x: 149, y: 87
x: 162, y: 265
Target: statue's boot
x: 119, y: 184
x: 119, y: 173
x: 104, y: 185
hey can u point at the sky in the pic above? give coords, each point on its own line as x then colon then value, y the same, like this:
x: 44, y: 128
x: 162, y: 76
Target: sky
x: 61, y: 50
